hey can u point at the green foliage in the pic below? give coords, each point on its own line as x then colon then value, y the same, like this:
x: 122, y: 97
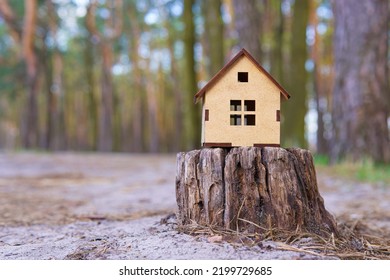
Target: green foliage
x: 368, y: 171
x: 321, y: 160
x: 365, y: 170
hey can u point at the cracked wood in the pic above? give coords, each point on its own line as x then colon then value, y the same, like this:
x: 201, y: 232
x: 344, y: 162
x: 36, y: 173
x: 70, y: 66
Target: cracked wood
x: 251, y: 189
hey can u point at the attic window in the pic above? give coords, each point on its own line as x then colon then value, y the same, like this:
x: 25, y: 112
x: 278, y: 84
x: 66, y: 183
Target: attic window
x: 242, y: 77
x: 235, y: 105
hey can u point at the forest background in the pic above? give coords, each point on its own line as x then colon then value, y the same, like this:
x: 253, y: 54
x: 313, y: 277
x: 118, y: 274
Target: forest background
x: 120, y: 75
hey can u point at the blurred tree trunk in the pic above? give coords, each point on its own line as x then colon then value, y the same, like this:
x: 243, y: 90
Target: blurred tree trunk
x: 30, y: 134
x: 277, y: 40
x: 319, y: 88
x: 9, y: 17
x: 247, y: 20
x: 152, y: 102
x: 54, y: 66
x: 294, y: 111
x: 58, y: 113
x: 213, y: 36
x: 361, y: 91
x: 117, y: 104
x: 177, y: 96
x: 89, y: 63
x: 192, y: 112
x: 164, y: 99
x: 46, y: 62
x: 105, y: 142
x: 114, y: 26
x: 137, y: 91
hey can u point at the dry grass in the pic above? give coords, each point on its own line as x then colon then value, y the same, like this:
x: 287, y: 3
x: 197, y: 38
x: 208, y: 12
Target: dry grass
x: 356, y: 240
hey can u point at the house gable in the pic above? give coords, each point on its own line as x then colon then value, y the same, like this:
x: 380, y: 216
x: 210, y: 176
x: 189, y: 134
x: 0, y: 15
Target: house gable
x: 243, y: 53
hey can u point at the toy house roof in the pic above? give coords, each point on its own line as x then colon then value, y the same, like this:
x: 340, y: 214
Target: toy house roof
x: 221, y: 72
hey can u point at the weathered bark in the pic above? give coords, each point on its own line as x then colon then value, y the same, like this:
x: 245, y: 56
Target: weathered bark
x: 361, y: 99
x: 251, y: 189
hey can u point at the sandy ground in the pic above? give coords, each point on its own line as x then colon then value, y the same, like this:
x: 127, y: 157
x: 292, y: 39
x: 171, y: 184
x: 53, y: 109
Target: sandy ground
x: 115, y: 206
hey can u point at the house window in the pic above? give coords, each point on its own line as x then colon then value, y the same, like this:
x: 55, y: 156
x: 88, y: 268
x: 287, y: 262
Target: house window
x: 235, y: 119
x: 242, y: 77
x: 249, y: 105
x: 278, y: 115
x: 249, y: 120
x: 235, y: 105
x: 206, y: 115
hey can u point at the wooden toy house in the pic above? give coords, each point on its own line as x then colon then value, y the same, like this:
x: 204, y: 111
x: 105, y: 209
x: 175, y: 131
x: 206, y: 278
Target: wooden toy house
x: 241, y: 105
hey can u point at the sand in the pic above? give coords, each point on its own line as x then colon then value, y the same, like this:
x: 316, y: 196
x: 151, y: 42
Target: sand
x: 116, y: 206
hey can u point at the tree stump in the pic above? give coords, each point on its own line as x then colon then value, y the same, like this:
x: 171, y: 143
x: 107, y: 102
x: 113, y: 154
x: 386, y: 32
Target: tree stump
x: 251, y: 189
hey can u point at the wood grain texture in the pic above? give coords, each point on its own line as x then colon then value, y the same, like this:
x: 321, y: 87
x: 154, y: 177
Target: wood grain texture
x: 251, y: 189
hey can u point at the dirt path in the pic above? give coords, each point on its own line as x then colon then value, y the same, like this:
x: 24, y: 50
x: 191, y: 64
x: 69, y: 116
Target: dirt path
x: 109, y: 206
x: 363, y: 204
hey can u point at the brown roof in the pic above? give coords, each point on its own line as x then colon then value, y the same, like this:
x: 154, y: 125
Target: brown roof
x: 221, y: 72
